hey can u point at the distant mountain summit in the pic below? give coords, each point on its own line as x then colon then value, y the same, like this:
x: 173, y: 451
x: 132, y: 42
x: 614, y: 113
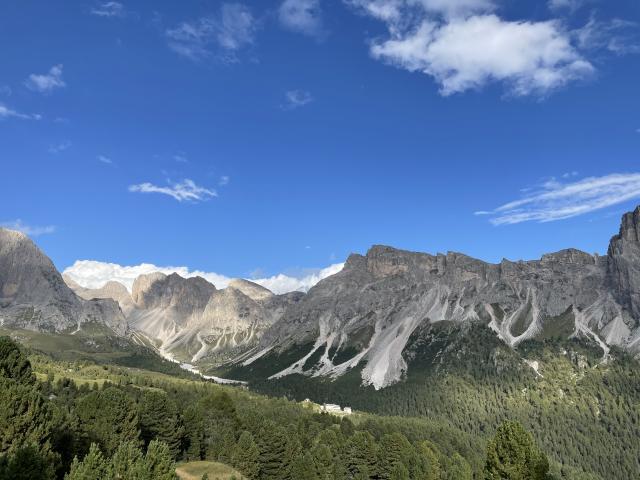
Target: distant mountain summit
x: 34, y: 296
x: 366, y: 317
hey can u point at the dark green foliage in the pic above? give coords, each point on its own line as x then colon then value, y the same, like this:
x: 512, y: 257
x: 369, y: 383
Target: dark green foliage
x: 13, y: 363
x: 26, y: 418
x: 27, y: 463
x: 513, y: 455
x: 583, y: 413
x: 109, y: 418
x: 303, y: 468
x: 245, y: 455
x: 159, y: 421
x: 273, y: 451
x: 127, y: 462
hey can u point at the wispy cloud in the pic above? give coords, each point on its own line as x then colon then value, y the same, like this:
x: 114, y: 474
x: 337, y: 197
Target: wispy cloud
x: 109, y: 9
x: 105, y: 160
x: 232, y: 29
x: 296, y: 99
x: 571, y: 5
x: 618, y: 36
x: 47, y: 82
x: 94, y: 274
x: 6, y: 112
x: 186, y: 190
x: 5, y: 90
x: 60, y: 147
x: 555, y: 200
x: 30, y: 230
x: 181, y: 158
x: 224, y: 180
x: 302, y: 16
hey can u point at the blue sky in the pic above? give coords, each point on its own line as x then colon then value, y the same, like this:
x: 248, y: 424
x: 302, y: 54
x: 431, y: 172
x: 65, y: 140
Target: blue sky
x: 257, y: 137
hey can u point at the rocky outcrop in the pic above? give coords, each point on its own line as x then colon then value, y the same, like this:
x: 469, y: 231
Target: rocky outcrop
x: 113, y: 290
x: 34, y: 296
x: 366, y: 314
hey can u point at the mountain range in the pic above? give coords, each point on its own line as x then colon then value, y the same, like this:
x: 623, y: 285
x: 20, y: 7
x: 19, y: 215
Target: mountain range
x: 363, y: 318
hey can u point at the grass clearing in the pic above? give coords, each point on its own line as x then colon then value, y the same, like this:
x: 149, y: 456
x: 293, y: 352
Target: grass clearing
x: 215, y: 471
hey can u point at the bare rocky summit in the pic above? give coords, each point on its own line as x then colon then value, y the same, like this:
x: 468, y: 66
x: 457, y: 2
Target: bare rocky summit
x: 372, y: 307
x: 364, y: 316
x: 34, y: 296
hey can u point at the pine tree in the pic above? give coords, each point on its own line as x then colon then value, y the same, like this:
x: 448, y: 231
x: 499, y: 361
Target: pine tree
x: 513, y: 455
x: 245, y: 456
x: 394, y: 449
x: 159, y: 421
x: 273, y: 446
x: 14, y: 364
x: 194, y: 433
x: 458, y: 468
x: 159, y: 461
x: 109, y: 417
x: 431, y: 462
x: 361, y: 454
x: 399, y: 472
x: 92, y: 467
x: 128, y: 463
x: 303, y: 468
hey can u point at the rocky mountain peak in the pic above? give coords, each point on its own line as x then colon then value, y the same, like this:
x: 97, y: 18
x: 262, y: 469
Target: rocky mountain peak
x: 250, y: 289
x: 157, y: 290
x: 33, y: 294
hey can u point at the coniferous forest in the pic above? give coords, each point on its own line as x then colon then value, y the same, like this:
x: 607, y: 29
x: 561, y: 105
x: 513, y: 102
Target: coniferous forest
x: 81, y: 420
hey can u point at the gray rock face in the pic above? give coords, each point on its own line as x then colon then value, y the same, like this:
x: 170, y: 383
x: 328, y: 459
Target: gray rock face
x: 113, y: 290
x: 369, y: 310
x: 34, y: 296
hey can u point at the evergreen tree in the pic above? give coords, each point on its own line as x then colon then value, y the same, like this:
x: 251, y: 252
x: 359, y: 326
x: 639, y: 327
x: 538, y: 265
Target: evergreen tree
x: 13, y: 363
x: 92, y: 467
x: 273, y: 446
x: 159, y: 461
x: 458, y: 469
x: 128, y: 463
x: 513, y: 455
x: 159, y: 421
x: 399, y: 472
x: 246, y: 455
x: 303, y: 468
x: 26, y: 418
x: 431, y: 462
x: 394, y: 449
x: 109, y: 418
x: 361, y: 454
x: 194, y: 445
x: 27, y: 463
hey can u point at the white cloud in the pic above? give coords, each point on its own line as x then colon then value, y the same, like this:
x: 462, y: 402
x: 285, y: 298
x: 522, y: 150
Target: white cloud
x: 463, y: 54
x: 232, y: 29
x: 94, y: 274
x: 6, y: 112
x: 296, y: 99
x: 30, y: 230
x: 464, y: 45
x: 556, y: 200
x: 224, y: 180
x: 109, y: 9
x: 186, y: 190
x: 105, y: 160
x: 60, y: 147
x: 303, y: 16
x: 48, y: 82
x: 181, y: 158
